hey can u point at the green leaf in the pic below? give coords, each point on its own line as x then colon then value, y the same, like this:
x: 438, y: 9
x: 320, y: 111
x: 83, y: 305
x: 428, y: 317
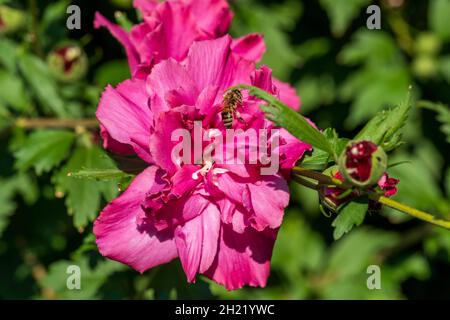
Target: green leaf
x: 91, y: 278
x: 352, y: 214
x: 44, y: 150
x: 19, y: 184
x: 101, y: 174
x: 318, y: 160
x: 438, y: 14
x: 316, y: 91
x: 13, y: 91
x: 9, y: 52
x: 292, y: 121
x: 444, y: 67
x: 83, y: 196
x: 443, y: 116
x: 251, y: 16
x: 385, y: 128
x: 370, y: 48
x: 342, y: 13
x: 41, y: 83
x: 53, y: 17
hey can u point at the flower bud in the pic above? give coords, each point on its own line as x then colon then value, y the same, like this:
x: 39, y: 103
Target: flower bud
x: 362, y: 163
x: 67, y: 62
x: 11, y: 20
x: 332, y: 198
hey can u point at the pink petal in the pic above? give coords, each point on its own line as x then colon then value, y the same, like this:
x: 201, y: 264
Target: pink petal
x: 161, y: 144
x: 291, y: 150
x: 113, y: 145
x: 175, y: 34
x: 119, y: 235
x: 183, y: 182
x: 268, y: 210
x: 287, y: 94
x: 122, y: 36
x: 262, y: 78
x: 197, y: 242
x: 242, y: 259
x: 179, y: 211
x: 124, y: 114
x: 250, y: 47
x: 212, y: 16
x: 211, y: 62
x: 166, y: 78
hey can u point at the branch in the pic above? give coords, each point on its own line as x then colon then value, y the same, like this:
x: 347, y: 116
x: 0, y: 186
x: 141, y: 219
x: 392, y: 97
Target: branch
x: 56, y: 123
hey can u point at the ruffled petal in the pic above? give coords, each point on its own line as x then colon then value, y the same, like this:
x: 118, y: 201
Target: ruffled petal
x: 161, y: 144
x: 242, y: 258
x: 124, y: 114
x: 251, y: 47
x: 212, y: 63
x: 121, y: 236
x: 113, y: 145
x: 167, y: 79
x: 269, y: 196
x: 176, y: 32
x: 212, y: 16
x: 197, y: 242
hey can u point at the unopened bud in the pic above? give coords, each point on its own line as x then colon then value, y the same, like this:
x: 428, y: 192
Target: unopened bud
x: 11, y: 20
x: 67, y: 62
x: 362, y: 163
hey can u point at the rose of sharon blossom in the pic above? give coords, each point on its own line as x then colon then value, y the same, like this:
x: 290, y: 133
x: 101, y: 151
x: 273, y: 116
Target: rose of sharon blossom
x: 220, y: 220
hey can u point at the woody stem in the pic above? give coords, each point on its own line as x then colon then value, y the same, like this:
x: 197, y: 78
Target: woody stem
x: 56, y: 123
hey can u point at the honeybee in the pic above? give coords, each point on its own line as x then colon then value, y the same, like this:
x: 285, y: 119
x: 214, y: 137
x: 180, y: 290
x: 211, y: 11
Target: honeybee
x: 231, y: 100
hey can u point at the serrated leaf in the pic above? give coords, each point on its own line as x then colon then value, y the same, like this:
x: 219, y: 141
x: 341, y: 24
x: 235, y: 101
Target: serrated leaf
x: 18, y: 184
x: 285, y: 117
x: 44, y: 150
x: 91, y: 278
x: 385, y: 128
x: 83, y: 196
x: 443, y: 116
x: 352, y: 214
x: 41, y: 83
x: 342, y: 13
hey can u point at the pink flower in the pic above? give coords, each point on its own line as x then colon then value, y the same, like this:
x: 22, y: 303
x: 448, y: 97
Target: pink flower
x: 221, y: 220
x: 388, y: 185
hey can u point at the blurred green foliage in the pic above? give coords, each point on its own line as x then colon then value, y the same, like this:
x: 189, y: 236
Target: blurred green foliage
x: 344, y: 73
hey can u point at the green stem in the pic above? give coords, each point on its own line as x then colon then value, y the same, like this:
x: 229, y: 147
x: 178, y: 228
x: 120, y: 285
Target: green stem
x: 409, y: 210
x: 323, y: 179
x: 305, y: 182
x: 32, y: 5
